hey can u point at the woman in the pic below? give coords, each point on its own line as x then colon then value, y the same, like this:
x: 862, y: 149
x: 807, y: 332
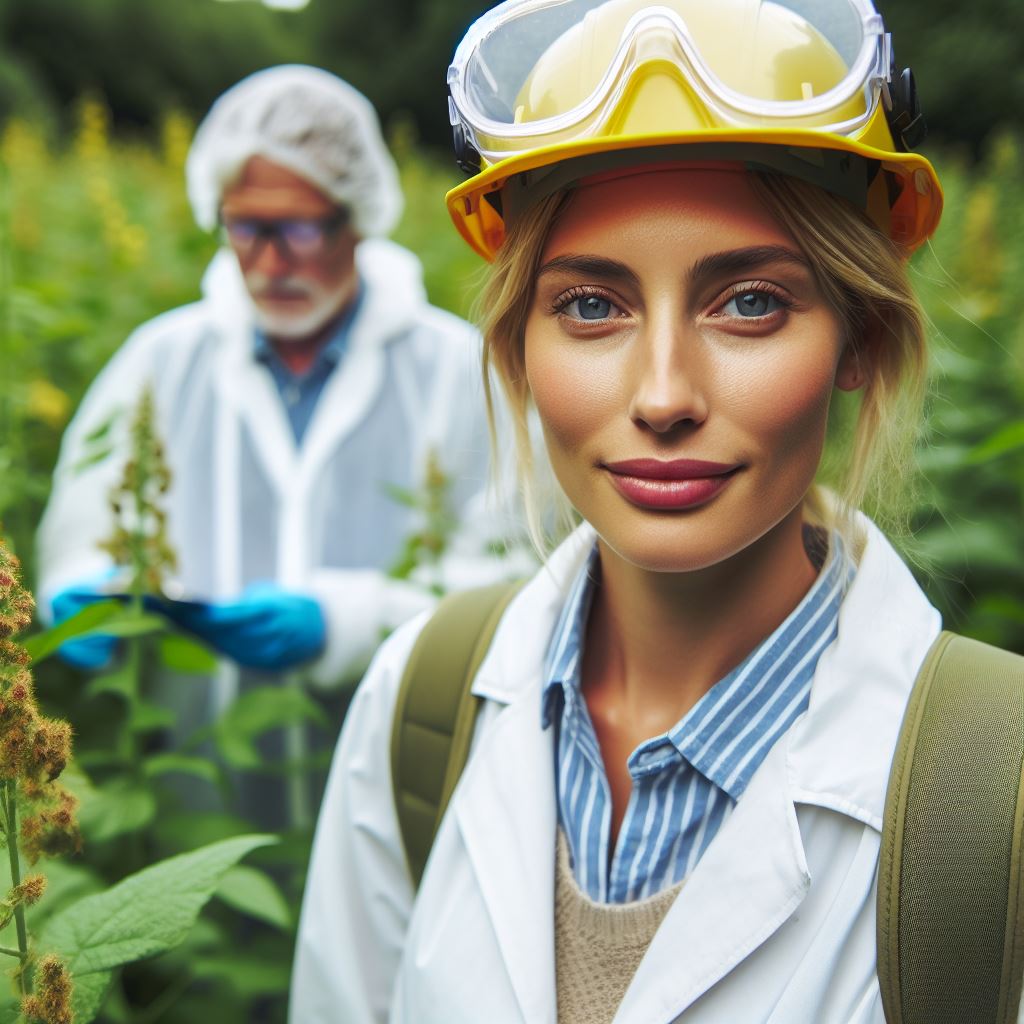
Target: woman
x: 699, y: 219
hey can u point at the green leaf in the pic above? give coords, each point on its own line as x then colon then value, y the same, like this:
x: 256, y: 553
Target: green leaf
x: 182, y: 654
x: 145, y: 914
x: 165, y: 764
x: 148, y: 717
x: 253, y: 892
x: 92, y: 458
x: 401, y: 495
x: 1002, y: 442
x: 134, y: 624
x: 88, y: 620
x: 116, y: 807
x: 249, y: 977
x: 121, y: 681
x: 89, y: 993
x: 99, y: 432
x: 256, y: 712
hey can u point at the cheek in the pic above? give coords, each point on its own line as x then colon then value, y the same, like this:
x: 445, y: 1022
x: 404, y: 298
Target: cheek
x: 785, y: 405
x: 570, y: 388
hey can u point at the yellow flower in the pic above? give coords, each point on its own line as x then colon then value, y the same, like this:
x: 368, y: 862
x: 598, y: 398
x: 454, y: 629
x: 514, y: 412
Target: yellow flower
x: 47, y: 403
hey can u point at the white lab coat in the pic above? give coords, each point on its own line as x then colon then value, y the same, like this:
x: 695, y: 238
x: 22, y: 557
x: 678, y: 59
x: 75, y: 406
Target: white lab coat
x: 775, y: 924
x: 247, y: 504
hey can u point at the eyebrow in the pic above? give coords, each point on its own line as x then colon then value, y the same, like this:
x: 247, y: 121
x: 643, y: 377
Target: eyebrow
x: 731, y: 261
x: 591, y: 266
x: 738, y: 260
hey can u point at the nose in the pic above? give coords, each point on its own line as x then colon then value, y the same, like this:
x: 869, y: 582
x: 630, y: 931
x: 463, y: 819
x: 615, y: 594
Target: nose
x: 268, y: 257
x: 668, y: 389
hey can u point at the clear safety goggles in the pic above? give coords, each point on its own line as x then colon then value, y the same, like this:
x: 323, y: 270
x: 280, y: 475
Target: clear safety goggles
x: 743, y: 85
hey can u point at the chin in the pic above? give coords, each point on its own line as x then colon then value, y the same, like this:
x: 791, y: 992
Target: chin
x: 292, y: 325
x: 671, y: 550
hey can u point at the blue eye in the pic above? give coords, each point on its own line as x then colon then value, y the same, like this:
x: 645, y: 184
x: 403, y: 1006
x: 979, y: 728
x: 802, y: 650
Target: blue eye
x: 590, y: 307
x: 752, y: 304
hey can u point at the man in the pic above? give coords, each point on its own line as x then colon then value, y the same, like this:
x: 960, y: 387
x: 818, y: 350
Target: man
x: 310, y: 378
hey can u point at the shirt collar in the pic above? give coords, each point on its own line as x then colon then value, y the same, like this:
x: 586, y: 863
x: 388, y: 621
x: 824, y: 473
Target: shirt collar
x: 813, y: 618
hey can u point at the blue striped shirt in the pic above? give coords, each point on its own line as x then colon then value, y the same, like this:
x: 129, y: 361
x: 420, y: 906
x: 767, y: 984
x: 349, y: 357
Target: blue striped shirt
x: 300, y: 392
x: 687, y: 780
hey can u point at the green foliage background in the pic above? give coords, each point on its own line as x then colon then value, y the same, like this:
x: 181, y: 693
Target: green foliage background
x: 97, y: 104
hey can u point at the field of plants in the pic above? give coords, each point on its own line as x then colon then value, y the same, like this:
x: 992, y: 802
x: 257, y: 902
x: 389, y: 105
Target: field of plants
x: 95, y: 237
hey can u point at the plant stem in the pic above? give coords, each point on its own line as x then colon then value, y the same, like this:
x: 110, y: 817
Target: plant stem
x: 8, y: 951
x: 11, y: 814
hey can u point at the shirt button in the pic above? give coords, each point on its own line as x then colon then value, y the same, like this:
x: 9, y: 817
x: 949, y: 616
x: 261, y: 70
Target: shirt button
x: 648, y: 757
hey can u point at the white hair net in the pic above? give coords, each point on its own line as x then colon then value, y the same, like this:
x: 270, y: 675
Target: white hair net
x: 309, y: 121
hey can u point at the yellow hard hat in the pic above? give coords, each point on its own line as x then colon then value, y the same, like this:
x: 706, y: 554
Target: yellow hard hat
x: 544, y: 93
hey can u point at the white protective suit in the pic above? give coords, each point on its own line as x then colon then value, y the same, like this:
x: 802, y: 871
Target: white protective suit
x: 775, y: 925
x: 246, y: 504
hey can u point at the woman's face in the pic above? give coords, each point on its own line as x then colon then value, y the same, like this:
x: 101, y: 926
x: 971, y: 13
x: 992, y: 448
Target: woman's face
x: 682, y: 359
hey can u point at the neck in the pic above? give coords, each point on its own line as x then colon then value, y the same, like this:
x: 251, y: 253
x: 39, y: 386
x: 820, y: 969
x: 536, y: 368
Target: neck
x: 299, y: 354
x: 657, y: 642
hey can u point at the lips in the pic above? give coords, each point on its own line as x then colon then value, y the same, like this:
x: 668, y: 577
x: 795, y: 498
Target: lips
x: 670, y: 485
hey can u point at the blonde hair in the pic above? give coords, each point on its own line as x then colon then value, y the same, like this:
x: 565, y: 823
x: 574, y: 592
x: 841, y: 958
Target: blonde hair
x: 863, y: 276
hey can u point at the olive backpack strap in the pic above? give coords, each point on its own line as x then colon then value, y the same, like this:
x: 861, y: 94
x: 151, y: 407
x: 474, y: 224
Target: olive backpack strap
x: 951, y: 870
x: 432, y: 728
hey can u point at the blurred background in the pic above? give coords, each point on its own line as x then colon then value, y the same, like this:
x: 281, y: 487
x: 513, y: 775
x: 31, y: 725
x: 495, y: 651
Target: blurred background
x: 98, y: 101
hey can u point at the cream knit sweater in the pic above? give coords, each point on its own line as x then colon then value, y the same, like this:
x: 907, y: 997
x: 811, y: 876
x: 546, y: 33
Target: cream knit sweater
x: 598, y: 946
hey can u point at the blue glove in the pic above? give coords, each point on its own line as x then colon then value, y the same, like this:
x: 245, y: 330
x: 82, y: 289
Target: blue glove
x: 265, y: 628
x: 88, y: 652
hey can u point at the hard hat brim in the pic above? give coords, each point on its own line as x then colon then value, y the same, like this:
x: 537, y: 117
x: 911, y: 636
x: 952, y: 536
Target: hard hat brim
x: 481, y: 225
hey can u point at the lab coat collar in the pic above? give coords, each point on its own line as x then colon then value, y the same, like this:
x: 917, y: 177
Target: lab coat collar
x: 754, y: 874
x: 840, y: 751
x: 393, y: 300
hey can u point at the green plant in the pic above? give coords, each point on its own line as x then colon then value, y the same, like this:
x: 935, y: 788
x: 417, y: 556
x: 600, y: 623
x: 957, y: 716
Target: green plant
x: 37, y: 815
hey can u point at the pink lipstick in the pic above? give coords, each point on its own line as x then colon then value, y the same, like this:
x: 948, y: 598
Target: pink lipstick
x: 677, y: 484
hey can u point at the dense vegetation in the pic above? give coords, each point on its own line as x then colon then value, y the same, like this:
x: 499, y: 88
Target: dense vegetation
x: 144, y: 56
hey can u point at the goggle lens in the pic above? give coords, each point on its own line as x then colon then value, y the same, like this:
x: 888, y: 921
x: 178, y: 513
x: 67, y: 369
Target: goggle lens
x: 542, y: 61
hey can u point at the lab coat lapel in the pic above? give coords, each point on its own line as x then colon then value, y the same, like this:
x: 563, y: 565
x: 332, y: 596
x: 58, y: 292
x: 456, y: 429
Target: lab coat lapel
x: 748, y: 882
x: 392, y: 298
x: 350, y: 391
x: 245, y: 386
x: 505, y: 808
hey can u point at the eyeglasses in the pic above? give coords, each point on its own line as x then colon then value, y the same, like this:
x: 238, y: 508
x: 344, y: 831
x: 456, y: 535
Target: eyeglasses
x: 297, y: 239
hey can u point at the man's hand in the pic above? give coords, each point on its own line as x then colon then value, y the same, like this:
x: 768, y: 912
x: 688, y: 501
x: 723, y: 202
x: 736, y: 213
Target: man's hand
x: 264, y: 628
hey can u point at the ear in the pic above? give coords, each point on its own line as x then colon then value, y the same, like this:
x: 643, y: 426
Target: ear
x: 857, y: 358
x: 850, y: 374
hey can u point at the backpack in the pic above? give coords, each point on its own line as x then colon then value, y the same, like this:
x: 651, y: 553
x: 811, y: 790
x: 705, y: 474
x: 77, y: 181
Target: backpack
x: 950, y: 906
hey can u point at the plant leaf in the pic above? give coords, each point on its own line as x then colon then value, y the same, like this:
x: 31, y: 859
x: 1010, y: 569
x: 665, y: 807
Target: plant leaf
x: 145, y: 914
x: 256, y: 712
x: 182, y: 654
x: 1002, y: 442
x: 164, y: 764
x: 88, y: 620
x: 249, y: 977
x: 88, y: 994
x: 253, y: 892
x: 148, y: 717
x: 117, y: 807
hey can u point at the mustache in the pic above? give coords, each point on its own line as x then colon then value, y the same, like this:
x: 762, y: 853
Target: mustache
x: 263, y: 286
